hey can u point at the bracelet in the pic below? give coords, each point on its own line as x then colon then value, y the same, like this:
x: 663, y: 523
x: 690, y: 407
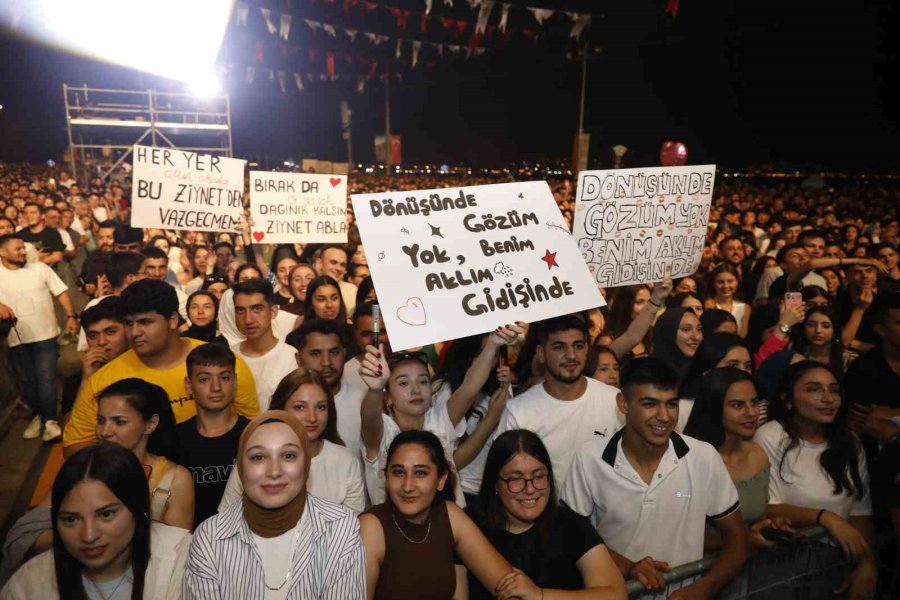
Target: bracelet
x: 819, y: 516
x: 650, y: 301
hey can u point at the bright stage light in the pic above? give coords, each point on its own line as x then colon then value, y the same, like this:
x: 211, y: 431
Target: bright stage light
x: 178, y: 39
x: 205, y: 85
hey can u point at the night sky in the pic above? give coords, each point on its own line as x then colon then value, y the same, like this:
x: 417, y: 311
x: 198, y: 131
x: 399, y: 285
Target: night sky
x: 743, y: 84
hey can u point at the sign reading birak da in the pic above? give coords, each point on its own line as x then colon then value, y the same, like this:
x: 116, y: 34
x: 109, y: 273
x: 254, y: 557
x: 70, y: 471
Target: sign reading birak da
x: 462, y: 261
x: 182, y: 190
x: 298, y: 208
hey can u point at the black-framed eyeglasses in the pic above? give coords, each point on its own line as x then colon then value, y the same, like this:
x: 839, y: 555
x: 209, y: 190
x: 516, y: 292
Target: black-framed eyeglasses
x: 516, y: 485
x: 396, y: 358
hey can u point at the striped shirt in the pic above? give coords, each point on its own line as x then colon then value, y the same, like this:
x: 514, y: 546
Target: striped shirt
x: 329, y: 562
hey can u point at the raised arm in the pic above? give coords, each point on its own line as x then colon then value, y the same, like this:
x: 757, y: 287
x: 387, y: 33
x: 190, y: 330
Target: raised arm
x: 374, y: 371
x: 469, y: 448
x: 465, y: 394
x: 638, y: 328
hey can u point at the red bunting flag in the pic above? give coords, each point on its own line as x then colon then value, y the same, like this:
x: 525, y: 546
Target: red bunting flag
x: 330, y: 64
x: 260, y: 54
x: 672, y: 7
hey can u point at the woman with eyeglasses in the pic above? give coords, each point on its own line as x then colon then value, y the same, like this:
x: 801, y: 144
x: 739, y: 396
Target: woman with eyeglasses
x: 401, y: 385
x: 415, y: 537
x: 818, y: 473
x: 553, y: 550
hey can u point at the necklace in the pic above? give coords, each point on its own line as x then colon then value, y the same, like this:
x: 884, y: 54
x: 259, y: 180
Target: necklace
x: 115, y: 589
x: 403, y: 533
x: 290, y: 564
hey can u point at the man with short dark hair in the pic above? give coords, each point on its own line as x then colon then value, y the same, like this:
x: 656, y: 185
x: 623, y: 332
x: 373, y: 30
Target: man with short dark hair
x: 269, y: 358
x: 322, y: 347
x: 208, y: 441
x: 156, y: 266
x: 26, y: 297
x: 333, y: 262
x: 158, y: 353
x: 47, y: 241
x: 364, y: 332
x: 95, y: 264
x: 567, y: 408
x: 649, y: 491
x: 124, y: 269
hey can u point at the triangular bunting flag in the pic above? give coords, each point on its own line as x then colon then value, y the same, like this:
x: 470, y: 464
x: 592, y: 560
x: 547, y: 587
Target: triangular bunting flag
x: 285, y: 30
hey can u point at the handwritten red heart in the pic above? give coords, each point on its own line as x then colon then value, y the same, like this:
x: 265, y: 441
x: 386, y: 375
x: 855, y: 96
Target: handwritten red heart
x: 258, y: 236
x: 334, y: 181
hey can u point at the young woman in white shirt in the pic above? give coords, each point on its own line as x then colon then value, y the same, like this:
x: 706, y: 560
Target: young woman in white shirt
x: 401, y: 383
x: 104, y: 543
x: 335, y: 473
x: 724, y: 292
x: 818, y: 468
x: 279, y: 542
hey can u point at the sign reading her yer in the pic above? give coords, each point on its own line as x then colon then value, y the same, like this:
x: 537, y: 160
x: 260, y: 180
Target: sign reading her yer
x: 178, y: 189
x: 462, y: 261
x: 298, y: 207
x: 640, y: 225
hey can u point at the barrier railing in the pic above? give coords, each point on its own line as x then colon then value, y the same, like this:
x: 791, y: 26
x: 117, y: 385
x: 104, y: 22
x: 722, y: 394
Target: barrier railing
x: 804, y: 569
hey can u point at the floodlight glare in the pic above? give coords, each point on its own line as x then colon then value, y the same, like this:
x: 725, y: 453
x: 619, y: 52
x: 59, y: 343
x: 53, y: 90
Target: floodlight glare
x: 171, y: 38
x: 204, y: 85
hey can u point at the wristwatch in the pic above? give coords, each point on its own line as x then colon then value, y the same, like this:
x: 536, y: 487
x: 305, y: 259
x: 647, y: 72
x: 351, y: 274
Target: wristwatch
x: 785, y: 329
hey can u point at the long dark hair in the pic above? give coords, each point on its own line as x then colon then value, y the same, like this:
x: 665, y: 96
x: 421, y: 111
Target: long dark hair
x: 309, y: 311
x: 835, y: 350
x: 457, y: 361
x: 432, y: 445
x: 149, y: 400
x: 291, y: 382
x: 840, y: 460
x: 705, y: 422
x: 711, y: 350
x: 120, y: 470
x: 507, y: 445
x: 621, y: 308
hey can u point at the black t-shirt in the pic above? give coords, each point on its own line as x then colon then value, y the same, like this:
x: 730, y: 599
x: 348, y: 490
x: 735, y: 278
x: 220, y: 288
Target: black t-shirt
x: 210, y: 461
x: 46, y: 240
x: 551, y: 562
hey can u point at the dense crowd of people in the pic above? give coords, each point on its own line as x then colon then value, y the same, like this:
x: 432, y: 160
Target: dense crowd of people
x: 242, y: 428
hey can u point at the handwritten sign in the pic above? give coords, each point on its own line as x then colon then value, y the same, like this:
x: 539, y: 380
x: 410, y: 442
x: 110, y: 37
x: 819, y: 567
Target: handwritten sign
x: 462, y: 261
x: 640, y: 225
x: 298, y: 207
x: 177, y: 189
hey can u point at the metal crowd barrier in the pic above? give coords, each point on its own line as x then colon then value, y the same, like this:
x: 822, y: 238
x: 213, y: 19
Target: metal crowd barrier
x: 805, y: 569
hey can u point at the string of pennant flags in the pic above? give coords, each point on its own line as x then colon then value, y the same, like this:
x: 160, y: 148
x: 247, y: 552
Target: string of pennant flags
x: 281, y: 25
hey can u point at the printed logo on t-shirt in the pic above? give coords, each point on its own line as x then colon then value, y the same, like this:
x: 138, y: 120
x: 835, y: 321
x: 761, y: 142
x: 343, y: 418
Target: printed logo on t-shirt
x: 682, y: 495
x: 211, y: 473
x: 600, y: 433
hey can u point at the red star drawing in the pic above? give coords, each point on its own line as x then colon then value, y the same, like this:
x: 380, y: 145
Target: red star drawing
x: 550, y: 259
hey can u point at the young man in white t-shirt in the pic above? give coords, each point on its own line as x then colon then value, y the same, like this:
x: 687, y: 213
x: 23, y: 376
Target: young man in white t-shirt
x: 269, y: 358
x: 363, y: 331
x: 649, y: 490
x: 26, y: 295
x: 567, y: 408
x: 322, y: 347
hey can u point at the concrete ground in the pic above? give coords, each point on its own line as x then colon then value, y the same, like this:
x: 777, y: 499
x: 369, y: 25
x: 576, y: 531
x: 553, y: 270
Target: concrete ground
x: 21, y: 461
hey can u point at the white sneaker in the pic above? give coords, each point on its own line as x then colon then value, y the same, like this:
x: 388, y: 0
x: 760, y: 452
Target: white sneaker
x: 52, y: 431
x: 33, y: 431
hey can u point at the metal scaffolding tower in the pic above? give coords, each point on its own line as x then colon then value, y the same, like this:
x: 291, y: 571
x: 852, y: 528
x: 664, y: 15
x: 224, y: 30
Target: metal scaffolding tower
x: 110, y: 122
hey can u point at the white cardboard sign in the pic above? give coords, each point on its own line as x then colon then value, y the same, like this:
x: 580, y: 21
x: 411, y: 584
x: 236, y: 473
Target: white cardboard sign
x: 462, y: 261
x: 298, y: 207
x: 182, y: 190
x: 640, y: 225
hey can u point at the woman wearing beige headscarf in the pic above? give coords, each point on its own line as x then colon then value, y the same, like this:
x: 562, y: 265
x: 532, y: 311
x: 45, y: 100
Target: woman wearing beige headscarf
x: 279, y: 542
